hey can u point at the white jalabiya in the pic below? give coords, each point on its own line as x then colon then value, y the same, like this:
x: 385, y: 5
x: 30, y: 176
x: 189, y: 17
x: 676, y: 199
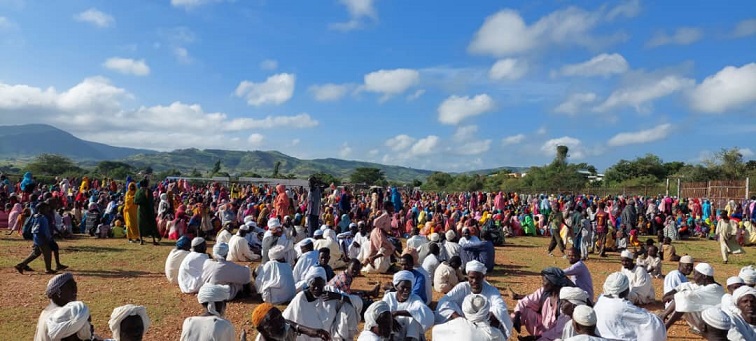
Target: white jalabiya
x: 207, y: 328
x: 190, y: 272
x: 727, y: 306
x: 673, y: 279
x: 275, y: 282
x: 239, y: 251
x: 641, y: 287
x: 452, y: 302
x: 414, y: 305
x: 741, y: 330
x: 619, y: 319
x: 332, y: 316
x: 223, y: 236
x: 367, y: 335
x: 448, y: 250
x: 462, y: 329
x: 691, y: 297
x: 568, y: 331
x: 41, y: 334
x: 585, y: 338
x: 304, y: 263
x: 430, y: 263
x: 172, y: 264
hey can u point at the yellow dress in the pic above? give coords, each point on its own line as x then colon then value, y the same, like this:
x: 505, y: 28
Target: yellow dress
x: 130, y: 215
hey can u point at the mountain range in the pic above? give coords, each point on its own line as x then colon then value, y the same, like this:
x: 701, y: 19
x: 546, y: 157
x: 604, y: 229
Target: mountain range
x: 26, y: 141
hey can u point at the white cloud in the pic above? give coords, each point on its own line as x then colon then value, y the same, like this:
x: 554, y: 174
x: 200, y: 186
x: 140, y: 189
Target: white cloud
x: 425, y: 146
x: 373, y: 152
x: 295, y: 142
x: 601, y: 65
x: 729, y: 89
x: 302, y: 120
x: 541, y: 131
x: 640, y: 94
x: 474, y: 147
x: 643, y: 136
x: 455, y: 108
x: 345, y: 151
x: 6, y: 23
x: 682, y: 36
x: 746, y: 152
x: 576, y: 103
x: 359, y: 10
x: 128, y: 66
x: 514, y: 139
x: 191, y: 4
x: 464, y: 133
x: 95, y: 17
x: 269, y: 64
x: 416, y: 95
x: 329, y: 92
x: 505, y: 33
x: 255, y: 139
x: 400, y: 142
x: 277, y: 89
x: 509, y: 69
x: 745, y: 28
x: 575, y: 146
x: 182, y: 55
x: 391, y: 82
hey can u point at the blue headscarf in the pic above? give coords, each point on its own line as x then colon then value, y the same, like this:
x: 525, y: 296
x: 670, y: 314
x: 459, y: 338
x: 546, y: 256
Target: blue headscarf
x: 183, y: 242
x: 26, y: 181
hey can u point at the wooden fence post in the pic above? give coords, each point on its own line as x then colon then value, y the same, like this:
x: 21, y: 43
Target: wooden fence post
x: 666, y: 188
x: 678, y: 188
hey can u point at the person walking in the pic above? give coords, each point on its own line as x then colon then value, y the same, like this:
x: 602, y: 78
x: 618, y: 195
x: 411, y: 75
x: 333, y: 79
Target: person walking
x: 42, y: 242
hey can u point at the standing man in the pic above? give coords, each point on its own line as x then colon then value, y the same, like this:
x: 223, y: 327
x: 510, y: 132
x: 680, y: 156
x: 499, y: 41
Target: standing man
x: 313, y: 206
x: 601, y: 228
x: 146, y: 212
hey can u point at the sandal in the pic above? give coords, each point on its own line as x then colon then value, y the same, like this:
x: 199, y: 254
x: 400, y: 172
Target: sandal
x: 19, y: 268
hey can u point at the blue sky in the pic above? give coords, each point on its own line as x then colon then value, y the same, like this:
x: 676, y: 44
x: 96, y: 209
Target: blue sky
x: 443, y: 85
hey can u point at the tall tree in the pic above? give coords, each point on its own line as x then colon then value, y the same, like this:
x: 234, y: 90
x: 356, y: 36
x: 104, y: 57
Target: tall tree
x: 52, y: 164
x: 367, y: 175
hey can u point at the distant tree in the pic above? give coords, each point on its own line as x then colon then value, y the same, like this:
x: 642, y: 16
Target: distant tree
x: 148, y: 170
x: 367, y: 175
x: 327, y: 178
x: 416, y: 183
x: 438, y: 181
x: 646, y: 170
x: 195, y: 173
x: 276, y: 169
x: 52, y: 164
x: 216, y: 167
x: 114, y: 169
x: 562, y: 154
x: 250, y: 174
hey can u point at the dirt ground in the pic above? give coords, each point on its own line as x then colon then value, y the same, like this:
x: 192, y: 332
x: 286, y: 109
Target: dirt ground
x: 113, y: 272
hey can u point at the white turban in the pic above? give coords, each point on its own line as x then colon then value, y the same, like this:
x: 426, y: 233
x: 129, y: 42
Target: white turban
x: 476, y: 266
x: 220, y: 250
x: 329, y: 234
x: 210, y: 293
x: 248, y: 218
x: 72, y: 318
x: 373, y: 312
x: 584, y: 316
x: 197, y: 241
x: 741, y: 292
x: 716, y: 318
x: 450, y: 235
x: 748, y: 274
x: 121, y: 313
x: 276, y: 252
x: 705, y: 269
x: 627, y: 254
x: 404, y: 275
x: 313, y: 273
x: 434, y: 237
x: 575, y: 295
x: 476, y: 308
x: 734, y: 280
x: 274, y: 224
x: 616, y: 283
x: 318, y: 232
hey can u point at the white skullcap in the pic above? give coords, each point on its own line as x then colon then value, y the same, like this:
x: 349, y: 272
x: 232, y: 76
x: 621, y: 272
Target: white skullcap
x: 616, y: 283
x: 329, y: 234
x: 716, y: 318
x: 627, y: 254
x: 197, y: 241
x: 686, y: 259
x: 748, y: 274
x: 210, y: 293
x: 274, y: 224
x: 248, y: 219
x: 575, y: 295
x: 476, y: 266
x: 306, y: 241
x: 476, y: 308
x: 434, y: 237
x: 450, y: 235
x: 741, y: 292
x: 705, y: 269
x: 276, y: 252
x: 244, y: 227
x: 313, y: 273
x: 72, y: 318
x: 584, y: 316
x: 404, y: 275
x: 318, y: 233
x: 220, y: 250
x: 373, y: 312
x: 121, y: 313
x: 734, y: 280
x: 323, y: 227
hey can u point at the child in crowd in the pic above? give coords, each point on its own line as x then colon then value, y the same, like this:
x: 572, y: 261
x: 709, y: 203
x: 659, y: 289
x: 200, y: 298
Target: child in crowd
x: 668, y: 250
x: 119, y: 231
x: 651, y: 262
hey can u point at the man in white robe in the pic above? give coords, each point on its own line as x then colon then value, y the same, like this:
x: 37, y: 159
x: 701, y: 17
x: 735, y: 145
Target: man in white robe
x: 190, y: 270
x: 450, y: 306
x: 474, y: 325
x: 329, y: 242
x: 584, y: 325
x: 275, y: 279
x: 416, y: 240
x: 61, y: 290
x: 449, y: 248
x: 407, y: 307
x: 224, y: 235
x: 221, y: 271
x: 679, y: 276
x: 620, y: 319
x: 744, y: 322
x: 308, y: 259
x: 467, y: 237
x: 238, y: 247
x: 431, y: 262
x: 726, y: 304
x: 378, y: 323
x: 641, y: 287
x: 276, y: 236
x: 688, y: 300
x: 211, y: 325
x: 177, y: 255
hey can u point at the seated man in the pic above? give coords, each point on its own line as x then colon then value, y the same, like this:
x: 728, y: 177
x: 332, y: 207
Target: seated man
x: 744, y: 320
x: 238, y: 247
x: 449, y: 248
x: 450, y: 306
x: 688, y: 300
x: 474, y: 325
x: 70, y: 321
x: 619, y: 319
x: 190, y: 270
x: 177, y: 255
x: 421, y: 284
x: 407, y: 308
x: 335, y: 259
x: 748, y: 274
x: 652, y: 262
x: 641, y: 287
x: 224, y: 235
x: 211, y: 325
x: 679, y: 276
x: 129, y: 322
x: 538, y: 311
x: 308, y: 259
x: 271, y: 325
x: 221, y: 271
x: 569, y: 298
x: 716, y: 324
x: 584, y: 324
x: 377, y: 258
x: 343, y: 281
x: 726, y: 304
x: 578, y: 273
x: 379, y: 324
x: 275, y: 279
x: 61, y: 290
x: 430, y: 263
x: 447, y: 275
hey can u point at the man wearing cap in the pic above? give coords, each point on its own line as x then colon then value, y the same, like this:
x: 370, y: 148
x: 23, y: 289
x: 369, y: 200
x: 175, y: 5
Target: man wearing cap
x: 450, y: 306
x: 569, y: 298
x: 744, y: 320
x: 641, y: 287
x: 679, y: 276
x: 449, y: 248
x: 211, y: 325
x: 175, y: 258
x: 190, y: 270
x: 474, y: 325
x: 308, y: 259
x: 733, y: 283
x: 238, y: 247
x: 748, y: 274
x: 715, y: 324
x: 274, y: 280
x: 61, y: 290
x: 584, y: 325
x: 620, y: 319
x: 220, y: 271
x: 688, y: 300
x: 538, y: 311
x: 275, y: 236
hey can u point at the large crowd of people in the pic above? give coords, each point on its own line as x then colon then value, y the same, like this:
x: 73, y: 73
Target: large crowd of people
x: 302, y: 247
